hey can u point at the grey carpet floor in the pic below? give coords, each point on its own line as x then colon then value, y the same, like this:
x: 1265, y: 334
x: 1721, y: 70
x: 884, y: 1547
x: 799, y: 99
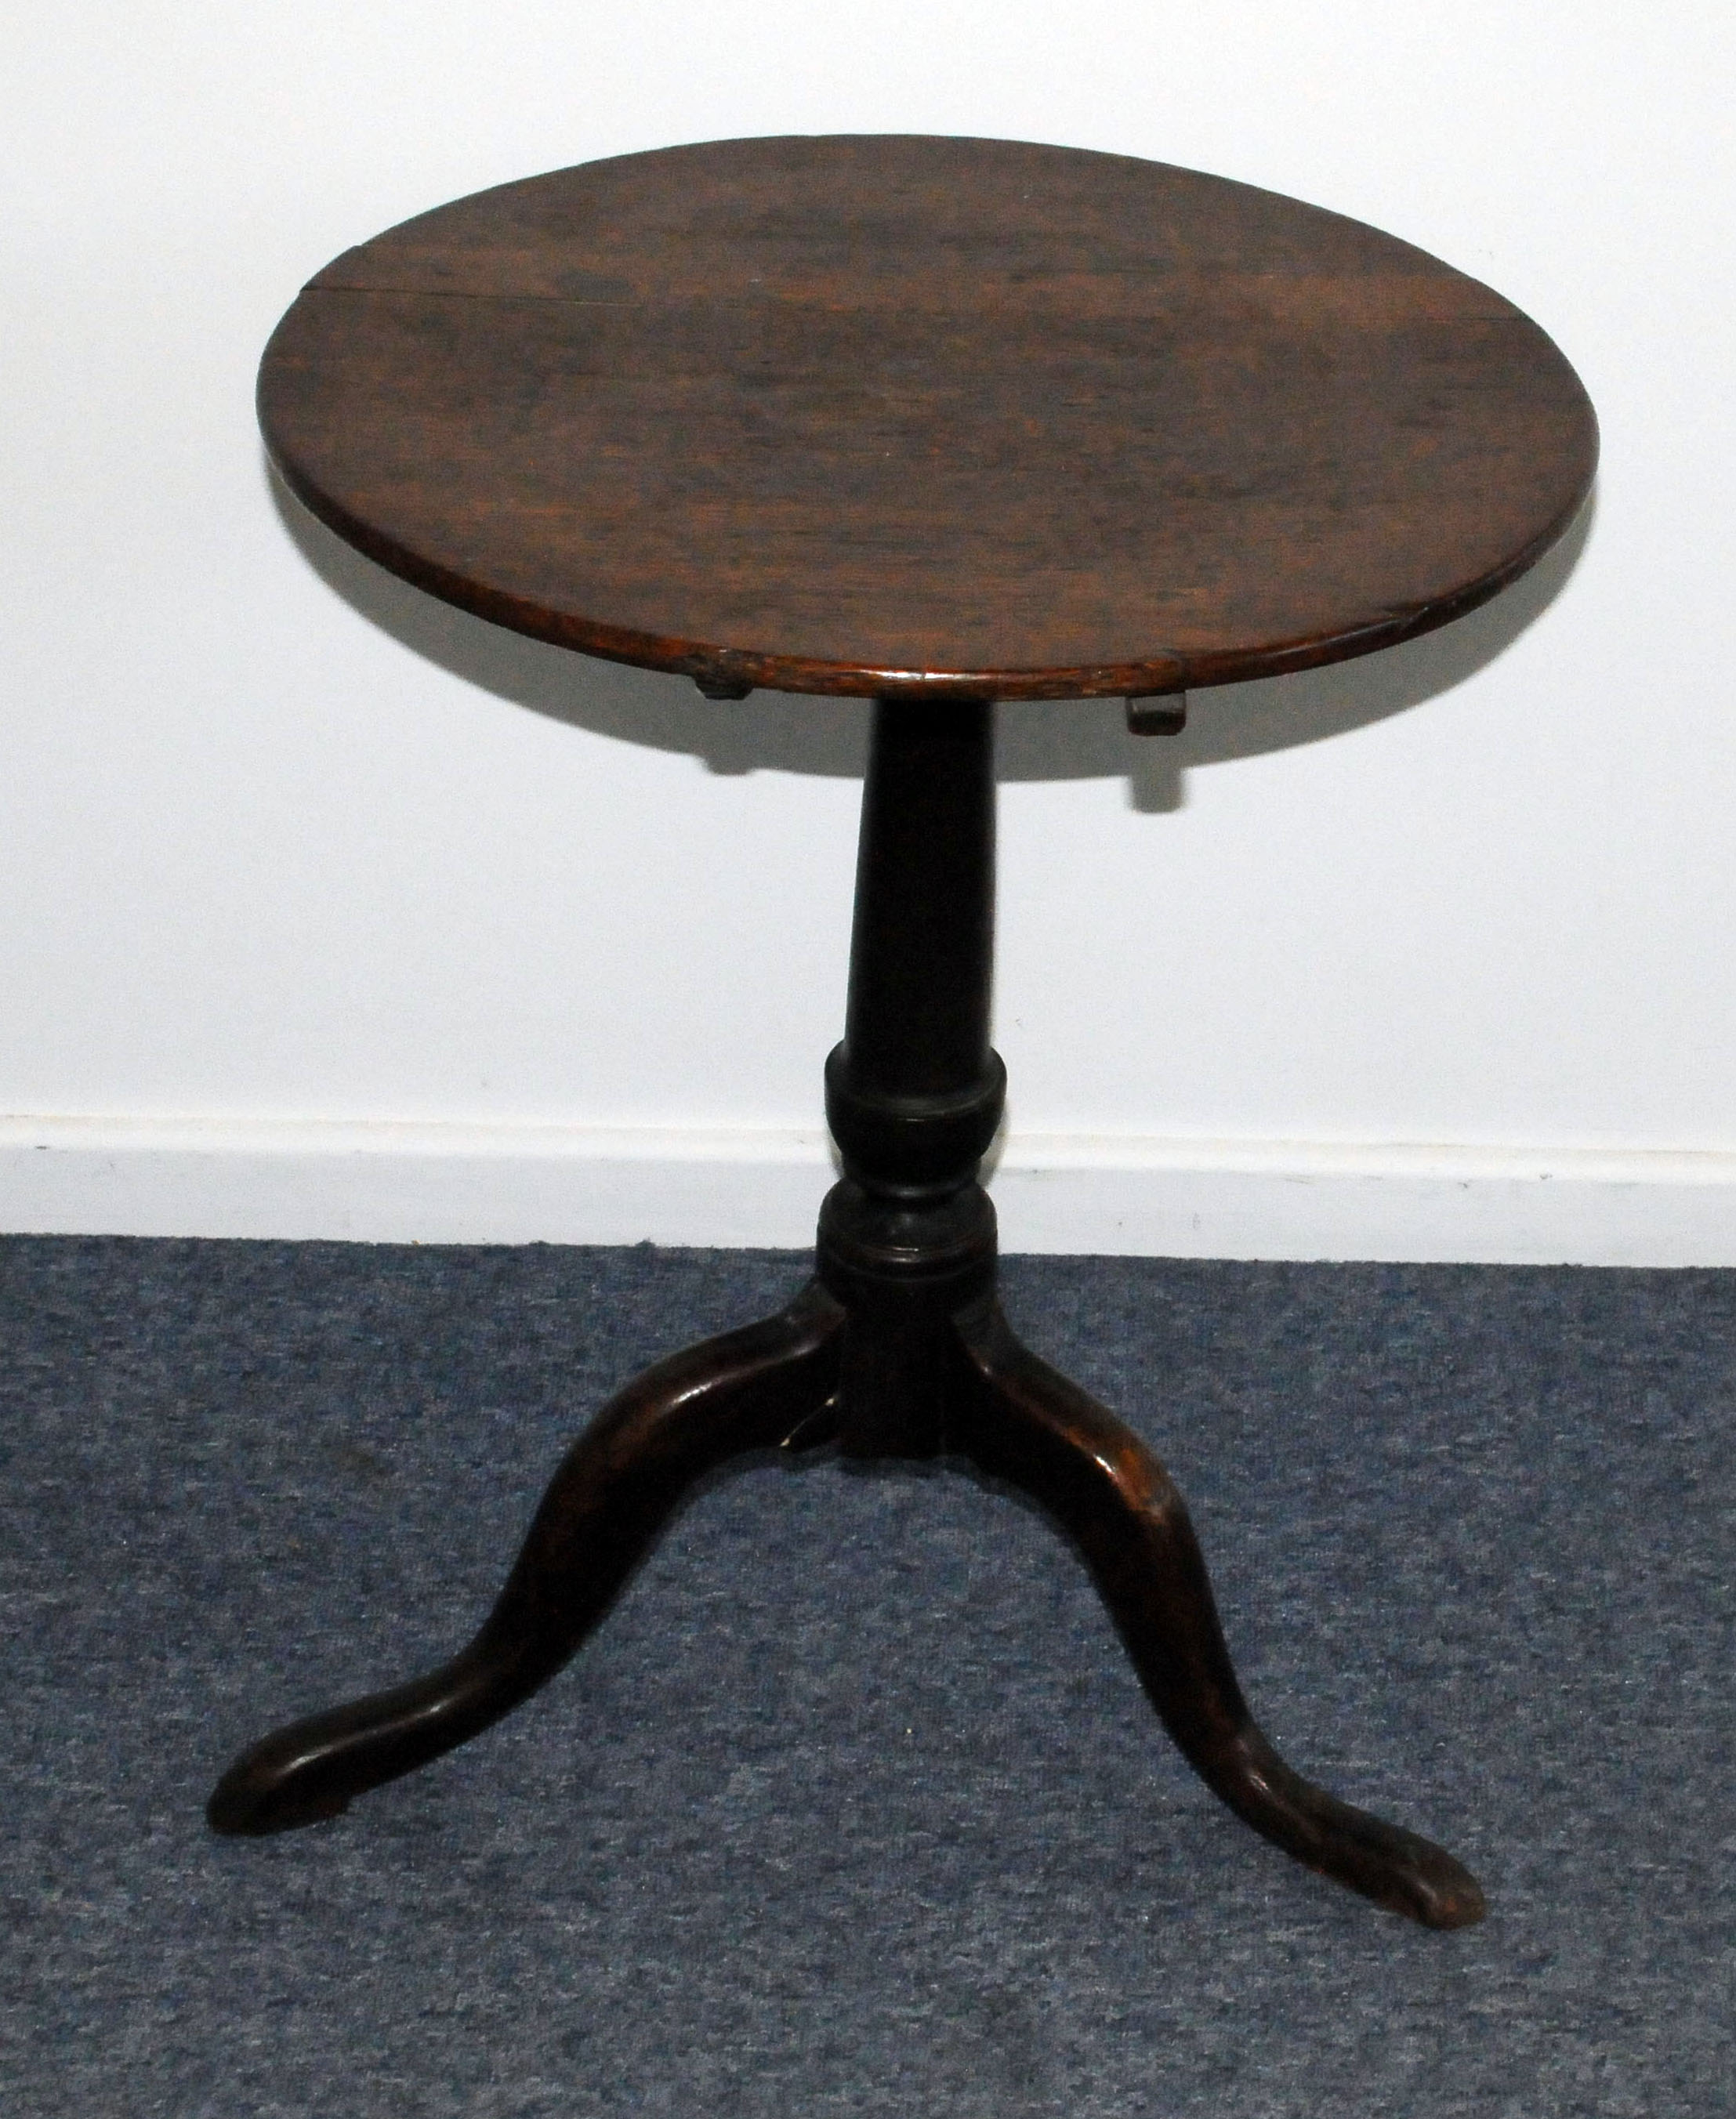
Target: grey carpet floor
x: 853, y: 1806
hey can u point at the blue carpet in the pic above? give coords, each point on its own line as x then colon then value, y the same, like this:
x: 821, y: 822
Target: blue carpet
x: 853, y: 1806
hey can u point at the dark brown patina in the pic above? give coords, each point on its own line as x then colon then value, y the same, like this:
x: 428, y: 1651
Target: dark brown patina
x: 939, y: 421
x: 884, y: 415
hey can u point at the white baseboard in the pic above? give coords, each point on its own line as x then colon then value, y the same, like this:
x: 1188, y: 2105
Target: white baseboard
x: 376, y: 1182
x: 1294, y: 1199
x: 1065, y: 1193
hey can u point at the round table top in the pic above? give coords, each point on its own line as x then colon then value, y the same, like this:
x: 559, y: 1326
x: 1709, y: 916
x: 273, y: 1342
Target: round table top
x: 902, y: 416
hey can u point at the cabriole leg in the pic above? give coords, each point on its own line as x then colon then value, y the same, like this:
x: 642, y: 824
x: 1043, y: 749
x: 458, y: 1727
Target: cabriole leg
x: 1027, y: 1424
x: 748, y: 1390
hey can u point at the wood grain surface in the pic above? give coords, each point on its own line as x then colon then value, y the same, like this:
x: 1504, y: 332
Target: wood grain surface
x: 905, y: 415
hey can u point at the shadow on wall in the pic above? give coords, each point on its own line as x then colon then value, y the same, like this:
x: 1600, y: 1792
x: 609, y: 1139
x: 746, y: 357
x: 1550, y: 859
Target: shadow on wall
x: 1057, y: 740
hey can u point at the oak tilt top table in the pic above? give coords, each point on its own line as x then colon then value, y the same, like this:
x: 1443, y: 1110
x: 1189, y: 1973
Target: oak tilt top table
x: 934, y: 422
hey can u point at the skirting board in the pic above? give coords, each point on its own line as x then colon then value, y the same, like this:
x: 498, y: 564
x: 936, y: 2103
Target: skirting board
x: 374, y: 1182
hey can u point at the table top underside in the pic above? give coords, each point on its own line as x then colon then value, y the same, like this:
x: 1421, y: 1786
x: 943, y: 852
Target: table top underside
x: 884, y: 415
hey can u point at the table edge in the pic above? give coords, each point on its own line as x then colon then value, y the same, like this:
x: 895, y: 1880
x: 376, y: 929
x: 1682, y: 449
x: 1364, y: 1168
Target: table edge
x: 714, y: 664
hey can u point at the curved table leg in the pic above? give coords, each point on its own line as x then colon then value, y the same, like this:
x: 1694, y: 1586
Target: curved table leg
x: 747, y: 1389
x: 1028, y: 1424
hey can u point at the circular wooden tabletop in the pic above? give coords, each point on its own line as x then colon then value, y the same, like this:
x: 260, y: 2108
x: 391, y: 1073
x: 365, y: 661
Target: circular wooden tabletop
x: 886, y: 415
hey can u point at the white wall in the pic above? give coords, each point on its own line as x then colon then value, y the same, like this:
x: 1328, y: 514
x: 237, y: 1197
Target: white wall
x: 328, y: 911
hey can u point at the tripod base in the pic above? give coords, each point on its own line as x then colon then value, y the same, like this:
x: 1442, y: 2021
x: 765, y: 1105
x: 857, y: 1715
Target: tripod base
x: 898, y: 1348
